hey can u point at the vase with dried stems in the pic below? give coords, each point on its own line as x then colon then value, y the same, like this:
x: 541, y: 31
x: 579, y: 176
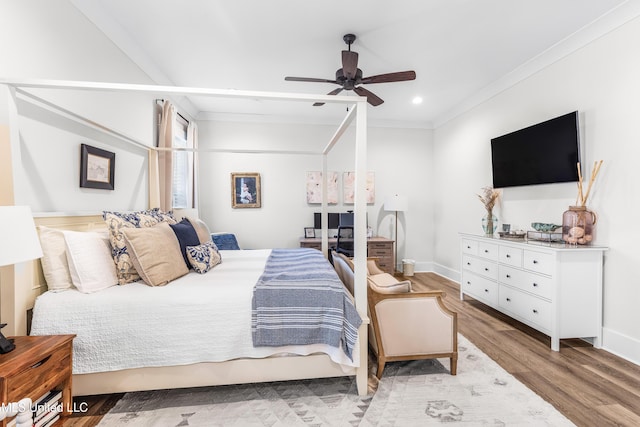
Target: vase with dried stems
x: 489, y: 197
x: 578, y: 222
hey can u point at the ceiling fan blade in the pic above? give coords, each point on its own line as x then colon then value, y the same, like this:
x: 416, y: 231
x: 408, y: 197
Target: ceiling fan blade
x: 349, y: 63
x: 333, y: 92
x: 308, y: 79
x: 390, y: 77
x: 372, y: 98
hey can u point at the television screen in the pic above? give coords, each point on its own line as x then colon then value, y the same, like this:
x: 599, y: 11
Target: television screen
x: 346, y: 219
x: 334, y: 220
x: 544, y: 153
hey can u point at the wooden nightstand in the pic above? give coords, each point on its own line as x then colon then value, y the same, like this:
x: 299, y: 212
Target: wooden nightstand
x: 37, y: 365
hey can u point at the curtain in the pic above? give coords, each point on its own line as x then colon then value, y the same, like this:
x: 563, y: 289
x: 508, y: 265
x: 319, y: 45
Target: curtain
x: 192, y: 141
x: 165, y: 157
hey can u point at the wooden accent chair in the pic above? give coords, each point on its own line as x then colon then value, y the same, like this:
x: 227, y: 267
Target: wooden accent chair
x: 405, y: 325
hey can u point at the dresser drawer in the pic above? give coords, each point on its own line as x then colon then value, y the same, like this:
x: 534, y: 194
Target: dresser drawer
x: 540, y: 262
x: 488, y: 251
x: 536, y: 284
x: 511, y: 256
x: 469, y: 247
x: 480, y: 266
x: 480, y: 288
x: 528, y: 307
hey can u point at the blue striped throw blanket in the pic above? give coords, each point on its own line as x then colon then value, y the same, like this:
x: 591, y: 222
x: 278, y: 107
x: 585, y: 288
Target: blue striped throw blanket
x: 300, y: 300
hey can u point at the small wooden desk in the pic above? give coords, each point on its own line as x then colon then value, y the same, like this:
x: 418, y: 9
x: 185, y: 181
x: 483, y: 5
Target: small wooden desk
x: 379, y: 247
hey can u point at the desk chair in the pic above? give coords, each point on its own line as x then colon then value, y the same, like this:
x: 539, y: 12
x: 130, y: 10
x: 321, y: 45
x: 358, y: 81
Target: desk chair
x: 344, y: 244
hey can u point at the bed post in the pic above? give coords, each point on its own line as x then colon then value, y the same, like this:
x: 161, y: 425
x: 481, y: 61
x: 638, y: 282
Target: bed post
x: 360, y: 243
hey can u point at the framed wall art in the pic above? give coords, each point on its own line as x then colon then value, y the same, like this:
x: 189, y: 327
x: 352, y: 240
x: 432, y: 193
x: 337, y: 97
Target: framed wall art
x: 245, y: 190
x: 348, y: 186
x: 97, y: 168
x: 314, y: 187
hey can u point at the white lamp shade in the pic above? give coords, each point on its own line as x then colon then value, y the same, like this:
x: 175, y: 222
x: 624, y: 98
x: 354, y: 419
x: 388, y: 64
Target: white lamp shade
x: 18, y: 237
x: 396, y: 203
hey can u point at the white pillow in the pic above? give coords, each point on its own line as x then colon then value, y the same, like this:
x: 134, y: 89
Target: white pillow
x: 90, y: 261
x: 54, y: 259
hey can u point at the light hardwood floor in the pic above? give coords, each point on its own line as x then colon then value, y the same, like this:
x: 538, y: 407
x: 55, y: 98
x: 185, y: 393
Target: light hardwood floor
x: 591, y: 387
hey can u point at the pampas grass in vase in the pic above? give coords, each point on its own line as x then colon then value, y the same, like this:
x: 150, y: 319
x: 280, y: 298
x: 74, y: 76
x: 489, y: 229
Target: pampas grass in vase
x: 489, y: 196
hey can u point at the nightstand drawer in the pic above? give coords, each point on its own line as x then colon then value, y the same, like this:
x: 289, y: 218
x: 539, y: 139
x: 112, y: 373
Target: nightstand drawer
x: 40, y: 377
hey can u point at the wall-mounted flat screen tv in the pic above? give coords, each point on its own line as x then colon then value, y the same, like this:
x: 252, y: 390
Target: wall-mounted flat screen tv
x: 544, y: 153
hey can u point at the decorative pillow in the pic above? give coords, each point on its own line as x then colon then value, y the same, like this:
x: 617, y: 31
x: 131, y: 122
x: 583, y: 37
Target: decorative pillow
x: 201, y: 228
x: 155, y: 253
x: 187, y: 236
x: 225, y: 241
x: 54, y: 259
x: 203, y: 257
x: 118, y: 221
x: 90, y: 263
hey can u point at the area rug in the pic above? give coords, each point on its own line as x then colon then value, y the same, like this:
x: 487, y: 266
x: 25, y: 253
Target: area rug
x: 415, y: 393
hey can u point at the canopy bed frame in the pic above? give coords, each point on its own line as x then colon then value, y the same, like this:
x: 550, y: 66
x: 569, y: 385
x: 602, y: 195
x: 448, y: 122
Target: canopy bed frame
x: 21, y: 284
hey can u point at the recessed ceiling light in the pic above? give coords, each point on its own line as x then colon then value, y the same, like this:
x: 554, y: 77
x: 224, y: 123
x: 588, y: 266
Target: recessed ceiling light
x: 417, y: 100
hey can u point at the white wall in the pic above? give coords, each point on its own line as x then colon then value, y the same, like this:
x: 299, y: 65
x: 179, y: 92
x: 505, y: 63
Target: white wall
x: 601, y: 81
x: 52, y: 40
x: 396, y: 156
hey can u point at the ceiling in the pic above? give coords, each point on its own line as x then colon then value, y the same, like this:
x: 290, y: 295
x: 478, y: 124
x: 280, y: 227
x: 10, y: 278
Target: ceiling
x: 463, y: 51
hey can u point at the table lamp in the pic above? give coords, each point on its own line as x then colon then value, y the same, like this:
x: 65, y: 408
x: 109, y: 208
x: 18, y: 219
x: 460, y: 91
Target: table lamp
x: 396, y: 204
x: 18, y: 243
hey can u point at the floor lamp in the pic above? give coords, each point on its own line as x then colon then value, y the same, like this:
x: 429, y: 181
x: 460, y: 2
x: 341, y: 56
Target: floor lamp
x: 19, y: 243
x: 396, y: 204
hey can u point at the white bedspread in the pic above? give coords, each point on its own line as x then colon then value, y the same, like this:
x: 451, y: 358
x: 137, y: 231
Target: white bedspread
x: 197, y: 318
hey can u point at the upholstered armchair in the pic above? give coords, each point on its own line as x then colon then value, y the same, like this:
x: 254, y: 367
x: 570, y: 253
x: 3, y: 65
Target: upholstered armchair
x: 405, y: 325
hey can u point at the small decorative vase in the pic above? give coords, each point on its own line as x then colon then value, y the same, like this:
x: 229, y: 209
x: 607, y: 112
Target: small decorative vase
x: 578, y: 225
x: 489, y: 223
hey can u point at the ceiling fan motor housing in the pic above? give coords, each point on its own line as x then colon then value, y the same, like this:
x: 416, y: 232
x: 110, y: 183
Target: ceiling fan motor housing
x: 345, y: 82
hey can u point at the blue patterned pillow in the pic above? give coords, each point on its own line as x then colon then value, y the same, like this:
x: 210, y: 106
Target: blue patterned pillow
x: 204, y: 257
x: 225, y: 241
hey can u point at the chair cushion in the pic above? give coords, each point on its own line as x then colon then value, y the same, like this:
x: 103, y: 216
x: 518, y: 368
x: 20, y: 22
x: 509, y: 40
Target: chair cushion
x: 385, y: 283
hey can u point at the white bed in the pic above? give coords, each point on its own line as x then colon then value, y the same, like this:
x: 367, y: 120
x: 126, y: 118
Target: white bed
x: 21, y: 284
x: 196, y: 318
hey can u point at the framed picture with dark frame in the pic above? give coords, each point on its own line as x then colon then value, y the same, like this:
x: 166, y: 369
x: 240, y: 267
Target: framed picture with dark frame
x: 245, y: 190
x: 309, y: 233
x: 97, y: 168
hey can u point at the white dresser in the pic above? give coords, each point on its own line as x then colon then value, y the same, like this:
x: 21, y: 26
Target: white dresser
x: 551, y: 287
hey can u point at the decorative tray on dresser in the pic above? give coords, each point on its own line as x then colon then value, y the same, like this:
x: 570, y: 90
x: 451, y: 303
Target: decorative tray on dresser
x: 554, y: 288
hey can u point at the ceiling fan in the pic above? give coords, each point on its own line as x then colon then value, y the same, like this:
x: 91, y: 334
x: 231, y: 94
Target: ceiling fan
x: 349, y: 77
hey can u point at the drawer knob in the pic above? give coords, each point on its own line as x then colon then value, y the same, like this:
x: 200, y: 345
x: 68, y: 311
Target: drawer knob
x: 535, y: 285
x: 486, y: 251
x: 535, y: 311
x: 535, y: 261
x: 508, y: 276
x: 468, y: 263
x: 509, y: 299
x: 468, y: 247
x: 486, y: 269
x: 508, y: 256
x: 486, y: 290
x: 468, y: 282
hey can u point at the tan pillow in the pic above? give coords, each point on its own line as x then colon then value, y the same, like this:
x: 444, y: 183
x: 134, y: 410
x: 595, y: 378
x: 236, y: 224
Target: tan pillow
x: 54, y: 259
x: 155, y: 253
x: 385, y: 283
x: 201, y: 230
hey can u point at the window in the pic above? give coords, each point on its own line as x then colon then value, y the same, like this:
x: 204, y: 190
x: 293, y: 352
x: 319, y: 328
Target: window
x: 182, y: 166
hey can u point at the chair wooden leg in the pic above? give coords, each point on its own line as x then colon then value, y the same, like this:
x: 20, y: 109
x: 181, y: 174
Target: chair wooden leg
x: 381, y: 363
x: 453, y: 360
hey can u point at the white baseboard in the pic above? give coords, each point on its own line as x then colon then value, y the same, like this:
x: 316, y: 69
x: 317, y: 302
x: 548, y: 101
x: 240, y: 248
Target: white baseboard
x: 621, y: 345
